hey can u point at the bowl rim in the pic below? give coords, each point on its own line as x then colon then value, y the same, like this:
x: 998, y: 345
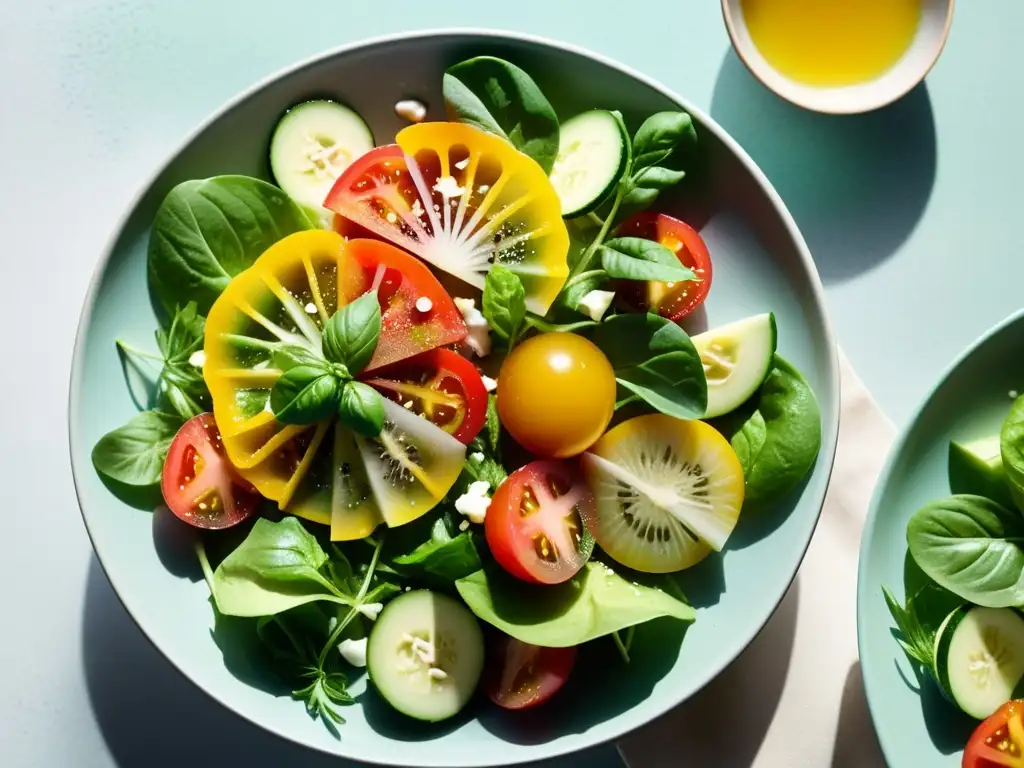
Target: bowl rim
x: 830, y: 421
x: 811, y: 105
x: 872, y: 695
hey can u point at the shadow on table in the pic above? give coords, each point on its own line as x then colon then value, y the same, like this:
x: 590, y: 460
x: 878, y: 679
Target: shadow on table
x: 747, y: 694
x: 856, y: 743
x: 856, y: 184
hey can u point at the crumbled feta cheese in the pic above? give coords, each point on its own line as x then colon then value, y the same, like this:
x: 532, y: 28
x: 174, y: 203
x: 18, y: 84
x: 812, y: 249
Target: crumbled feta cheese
x: 424, y: 304
x: 474, y: 502
x: 448, y: 187
x: 489, y: 384
x: 482, y: 189
x: 412, y: 110
x: 596, y: 303
x: 477, y: 456
x: 310, y: 308
x: 353, y: 651
x: 464, y: 525
x: 479, y: 338
x: 371, y: 610
x: 417, y: 208
x: 197, y: 359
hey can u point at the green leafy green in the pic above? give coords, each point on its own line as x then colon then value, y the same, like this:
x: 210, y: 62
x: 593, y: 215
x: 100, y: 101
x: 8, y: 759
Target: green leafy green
x: 594, y: 603
x: 1011, y: 448
x: 207, y: 231
x: 134, y: 454
x: 504, y: 304
x: 361, y: 408
x: 972, y: 547
x: 498, y: 97
x: 654, y: 142
x: 655, y: 361
x: 634, y: 258
x: 776, y: 434
x: 443, y: 556
x: 305, y: 394
x: 915, y: 641
x: 493, y: 424
x: 351, y: 335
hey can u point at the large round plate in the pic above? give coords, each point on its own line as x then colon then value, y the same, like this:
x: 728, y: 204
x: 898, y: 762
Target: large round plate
x: 971, y: 400
x: 761, y: 263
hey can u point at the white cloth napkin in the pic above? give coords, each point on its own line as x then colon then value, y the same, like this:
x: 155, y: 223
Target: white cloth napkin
x: 794, y: 698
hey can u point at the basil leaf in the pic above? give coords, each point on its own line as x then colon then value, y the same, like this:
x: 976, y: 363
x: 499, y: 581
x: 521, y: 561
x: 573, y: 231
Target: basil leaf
x: 658, y: 178
x: 287, y: 356
x: 207, y: 231
x: 639, y: 197
x: 658, y: 136
x: 1011, y: 449
x: 543, y: 325
x: 500, y: 98
x: 444, y: 557
x: 776, y: 434
x: 351, y: 335
x: 593, y: 603
x: 304, y: 394
x: 493, y: 423
x: 634, y: 258
x: 971, y: 546
x: 276, y: 568
x: 504, y: 303
x: 361, y: 408
x: 134, y: 454
x: 655, y: 360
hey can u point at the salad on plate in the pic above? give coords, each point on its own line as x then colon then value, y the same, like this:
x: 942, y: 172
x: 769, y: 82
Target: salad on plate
x: 429, y: 406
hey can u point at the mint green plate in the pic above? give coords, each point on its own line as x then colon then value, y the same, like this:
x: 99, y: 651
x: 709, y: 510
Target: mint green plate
x: 760, y: 263
x: 970, y: 401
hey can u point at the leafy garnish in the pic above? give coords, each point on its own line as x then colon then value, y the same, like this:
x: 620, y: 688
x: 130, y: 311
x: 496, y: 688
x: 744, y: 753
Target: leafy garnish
x: 504, y: 304
x: 134, y: 454
x: 914, y: 639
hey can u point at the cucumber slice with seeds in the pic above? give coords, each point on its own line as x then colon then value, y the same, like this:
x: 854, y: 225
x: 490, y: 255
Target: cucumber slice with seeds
x: 737, y: 358
x: 593, y: 150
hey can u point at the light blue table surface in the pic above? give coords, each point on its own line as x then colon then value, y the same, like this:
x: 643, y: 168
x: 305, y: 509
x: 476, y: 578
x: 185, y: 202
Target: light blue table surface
x: 915, y: 216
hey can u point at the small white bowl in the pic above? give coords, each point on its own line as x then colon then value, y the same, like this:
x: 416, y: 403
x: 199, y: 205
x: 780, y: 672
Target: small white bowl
x: 917, y: 60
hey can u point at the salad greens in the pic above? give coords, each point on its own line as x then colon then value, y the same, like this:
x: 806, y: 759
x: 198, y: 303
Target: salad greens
x: 504, y: 304
x: 634, y: 258
x: 134, y: 454
x: 1011, y: 448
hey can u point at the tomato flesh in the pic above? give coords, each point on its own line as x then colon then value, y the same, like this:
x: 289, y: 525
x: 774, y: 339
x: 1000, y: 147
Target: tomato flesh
x: 519, y: 675
x: 672, y: 300
x: 440, y: 385
x: 199, y: 484
x: 999, y: 740
x: 536, y: 525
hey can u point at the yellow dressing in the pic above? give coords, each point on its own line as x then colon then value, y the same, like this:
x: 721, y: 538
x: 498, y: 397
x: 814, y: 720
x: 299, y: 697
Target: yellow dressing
x: 832, y: 42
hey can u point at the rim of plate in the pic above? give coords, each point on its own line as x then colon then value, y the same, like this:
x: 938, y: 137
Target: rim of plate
x: 872, y: 520
x: 626, y: 723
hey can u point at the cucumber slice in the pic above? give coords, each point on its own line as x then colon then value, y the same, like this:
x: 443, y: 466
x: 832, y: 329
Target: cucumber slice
x: 425, y: 655
x: 979, y: 657
x: 593, y: 150
x: 737, y: 358
x: 312, y: 144
x: 977, y: 467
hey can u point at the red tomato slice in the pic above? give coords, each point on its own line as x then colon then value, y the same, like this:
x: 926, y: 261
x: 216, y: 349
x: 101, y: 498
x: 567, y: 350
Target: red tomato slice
x: 417, y: 314
x: 536, y: 523
x: 999, y: 740
x: 440, y: 385
x: 520, y: 675
x: 672, y: 300
x: 199, y: 483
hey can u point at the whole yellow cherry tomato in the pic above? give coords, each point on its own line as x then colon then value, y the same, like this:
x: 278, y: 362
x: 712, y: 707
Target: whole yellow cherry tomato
x: 556, y: 394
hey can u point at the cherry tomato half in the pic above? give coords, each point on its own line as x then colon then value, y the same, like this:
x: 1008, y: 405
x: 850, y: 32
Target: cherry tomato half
x: 999, y: 740
x: 199, y: 484
x: 672, y: 300
x: 440, y: 385
x: 519, y: 675
x: 536, y: 525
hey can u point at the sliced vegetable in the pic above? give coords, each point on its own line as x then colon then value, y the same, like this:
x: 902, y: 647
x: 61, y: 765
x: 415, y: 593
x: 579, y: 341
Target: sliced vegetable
x: 999, y: 740
x: 312, y: 144
x: 593, y: 152
x: 537, y: 522
x: 425, y: 655
x: 668, y: 492
x: 199, y: 484
x: 520, y: 676
x: 977, y: 468
x: 462, y: 200
x: 556, y: 394
x: 737, y: 359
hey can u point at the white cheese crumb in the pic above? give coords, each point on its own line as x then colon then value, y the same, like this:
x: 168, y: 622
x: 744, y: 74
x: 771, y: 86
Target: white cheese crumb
x: 489, y: 384
x: 310, y: 308
x: 479, y: 338
x: 417, y: 208
x: 448, y: 187
x: 464, y: 525
x: 371, y: 610
x: 412, y: 110
x: 392, y: 217
x: 197, y: 359
x: 461, y: 165
x: 1012, y: 393
x: 408, y: 405
x: 474, y: 502
x: 424, y: 304
x: 353, y: 651
x: 477, y: 456
x: 596, y: 303
x: 436, y: 673
x: 482, y: 189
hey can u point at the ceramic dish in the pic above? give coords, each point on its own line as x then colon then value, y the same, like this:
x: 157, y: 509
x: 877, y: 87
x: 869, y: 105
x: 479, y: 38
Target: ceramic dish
x: 761, y: 262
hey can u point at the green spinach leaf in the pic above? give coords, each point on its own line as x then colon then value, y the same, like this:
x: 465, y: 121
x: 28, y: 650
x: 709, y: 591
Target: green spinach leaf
x: 305, y: 394
x: 443, y: 556
x: 207, y: 231
x: 1011, y: 448
x: 776, y: 434
x: 361, y: 408
x: 972, y: 547
x: 655, y: 361
x: 504, y: 304
x: 134, y: 454
x: 594, y: 603
x: 498, y: 97
x: 634, y: 258
x: 654, y: 142
x: 351, y: 335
